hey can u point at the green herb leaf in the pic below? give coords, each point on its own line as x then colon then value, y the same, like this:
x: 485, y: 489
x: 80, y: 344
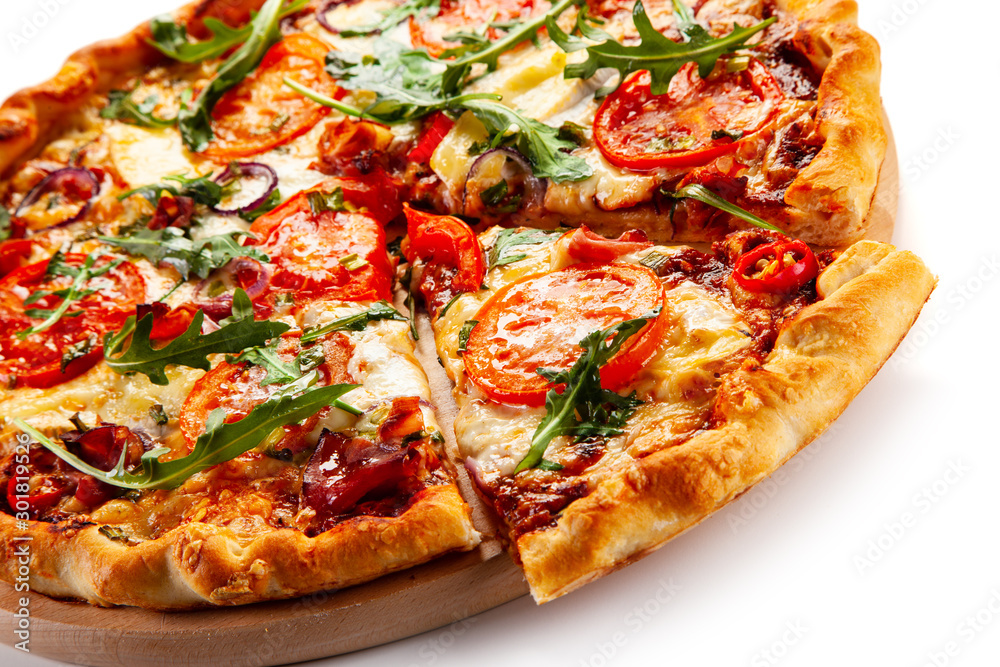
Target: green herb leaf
x: 407, y: 83
x: 122, y: 107
x: 706, y: 196
x: 171, y: 247
x: 158, y: 415
x: 463, y: 335
x: 194, y: 120
x: 585, y: 409
x: 266, y: 206
x: 448, y: 305
x: 488, y: 53
x: 654, y: 261
x: 411, y: 308
x: 115, y: 533
x: 660, y: 56
x: 76, y: 350
x: 4, y: 223
x: 540, y: 143
x: 191, y: 348
x: 735, y: 135
x: 202, y: 189
x: 503, y: 251
x: 321, y: 202
x: 379, y: 311
x: 219, y: 443
x: 171, y: 39
x: 278, y: 371
x: 395, y: 15
x: 82, y: 277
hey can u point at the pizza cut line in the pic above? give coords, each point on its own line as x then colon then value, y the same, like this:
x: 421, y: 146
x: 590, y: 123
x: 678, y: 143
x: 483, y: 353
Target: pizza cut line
x: 205, y: 225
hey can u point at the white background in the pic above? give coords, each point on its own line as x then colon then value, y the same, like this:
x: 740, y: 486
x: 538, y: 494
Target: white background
x: 816, y: 566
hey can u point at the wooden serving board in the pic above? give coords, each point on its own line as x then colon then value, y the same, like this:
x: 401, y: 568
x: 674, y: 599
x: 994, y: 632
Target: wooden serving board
x: 328, y: 623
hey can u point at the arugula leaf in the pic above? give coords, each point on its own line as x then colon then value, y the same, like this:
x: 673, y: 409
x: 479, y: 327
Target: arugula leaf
x: 660, y: 56
x: 540, y: 143
x: 202, y: 189
x: 219, y: 443
x: 585, y: 409
x: 394, y: 16
x: 194, y: 121
x: 170, y: 246
x: 171, y: 39
x: 379, y: 311
x: 122, y: 107
x: 278, y: 371
x: 266, y: 206
x: 706, y: 196
x: 191, y: 348
x: 410, y: 84
x: 503, y: 253
x: 82, y: 276
x: 407, y: 83
x: 488, y: 53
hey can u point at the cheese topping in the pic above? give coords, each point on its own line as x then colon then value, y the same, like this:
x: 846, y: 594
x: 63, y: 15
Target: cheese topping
x: 677, y: 385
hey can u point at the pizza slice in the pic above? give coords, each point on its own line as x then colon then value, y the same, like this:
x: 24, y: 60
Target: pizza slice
x: 621, y: 114
x: 260, y: 434
x: 616, y: 114
x: 614, y: 393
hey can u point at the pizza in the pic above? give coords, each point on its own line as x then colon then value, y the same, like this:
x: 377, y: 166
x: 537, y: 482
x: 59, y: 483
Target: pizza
x: 219, y: 233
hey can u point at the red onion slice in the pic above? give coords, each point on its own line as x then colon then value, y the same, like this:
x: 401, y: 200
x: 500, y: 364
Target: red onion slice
x: 77, y: 181
x: 247, y: 170
x: 248, y: 274
x: 524, y: 190
x: 327, y: 6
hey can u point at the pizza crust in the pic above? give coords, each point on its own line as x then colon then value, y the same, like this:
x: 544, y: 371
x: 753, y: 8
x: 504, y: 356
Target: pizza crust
x: 199, y: 565
x: 832, y: 196
x: 31, y: 118
x: 821, y: 361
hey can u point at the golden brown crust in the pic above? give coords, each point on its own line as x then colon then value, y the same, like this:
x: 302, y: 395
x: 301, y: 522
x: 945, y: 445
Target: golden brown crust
x: 830, y: 199
x: 198, y: 564
x: 822, y: 359
x: 30, y: 118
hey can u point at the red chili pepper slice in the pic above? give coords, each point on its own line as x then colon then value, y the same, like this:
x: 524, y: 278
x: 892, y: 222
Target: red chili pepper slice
x: 437, y: 127
x: 782, y: 266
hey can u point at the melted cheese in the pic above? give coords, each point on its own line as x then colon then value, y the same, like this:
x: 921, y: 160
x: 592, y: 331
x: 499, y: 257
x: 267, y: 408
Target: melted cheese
x: 677, y: 384
x: 143, y: 156
x: 103, y: 395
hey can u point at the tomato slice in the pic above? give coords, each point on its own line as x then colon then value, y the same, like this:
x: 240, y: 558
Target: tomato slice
x: 538, y: 321
x: 464, y: 15
x: 237, y: 389
x: 451, y: 252
x: 168, y: 323
x: 14, y: 254
x: 261, y: 112
x: 695, y: 122
x: 37, y: 361
x: 306, y: 248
